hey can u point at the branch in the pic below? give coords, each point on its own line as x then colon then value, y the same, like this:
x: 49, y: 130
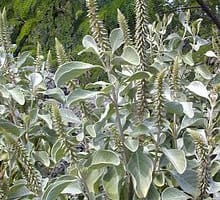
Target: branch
x: 178, y: 9
x: 210, y: 13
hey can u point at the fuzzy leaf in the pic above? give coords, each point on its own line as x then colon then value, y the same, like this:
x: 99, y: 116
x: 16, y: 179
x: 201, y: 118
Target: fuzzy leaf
x: 177, y: 158
x: 187, y: 181
x: 184, y: 19
x: 80, y: 95
x: 159, y: 179
x: 93, y: 175
x: 204, y: 71
x: 105, y: 157
x: 132, y: 144
x: 4, y: 92
x: 71, y: 70
x: 18, y: 190
x: 111, y: 183
x: 188, y: 109
x: 211, y: 54
x: 9, y: 130
x: 153, y: 193
x: 116, y: 39
x: 47, y: 119
x: 187, y: 122
x: 199, y: 89
x: 57, y: 94
x: 57, y: 152
x: 141, y: 167
x: 43, y: 157
x: 69, y: 116
x: 139, y: 75
x: 17, y: 95
x: 90, y: 45
x: 128, y: 57
x: 35, y: 79
x: 174, y: 194
x: 73, y: 188
x: 55, y: 189
x: 22, y: 58
x: 188, y: 59
x: 91, y: 130
x: 174, y: 107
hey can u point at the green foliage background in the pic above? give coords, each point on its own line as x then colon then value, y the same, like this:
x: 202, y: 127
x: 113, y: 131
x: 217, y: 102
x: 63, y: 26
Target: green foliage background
x: 43, y: 20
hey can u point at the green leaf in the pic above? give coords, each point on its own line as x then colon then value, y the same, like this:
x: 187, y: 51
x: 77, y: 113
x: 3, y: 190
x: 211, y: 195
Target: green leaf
x: 80, y: 95
x: 73, y: 188
x: 35, y: 79
x: 140, y: 130
x: 4, y: 92
x: 189, y: 146
x: 174, y: 107
x: 69, y: 116
x: 174, y: 194
x: 116, y: 39
x: 111, y: 183
x: 109, y: 110
x: 211, y: 54
x: 159, y: 179
x: 18, y: 190
x: 57, y: 152
x: 188, y: 59
x: 187, y: 122
x: 199, y: 89
x: 184, y: 18
x: 204, y: 71
x: 17, y: 95
x: 57, y: 94
x: 199, y: 42
x: 188, y: 109
x: 177, y: 158
x: 139, y: 75
x: 105, y: 157
x: 187, y: 181
x: 71, y: 70
x: 132, y: 144
x: 153, y: 194
x: 214, y: 187
x: 90, y: 45
x: 128, y: 57
x: 55, y: 189
x: 93, y: 175
x: 43, y: 157
x: 140, y: 167
x: 91, y: 130
x: 9, y: 130
x: 97, y: 84
x: 22, y: 58
x: 47, y: 119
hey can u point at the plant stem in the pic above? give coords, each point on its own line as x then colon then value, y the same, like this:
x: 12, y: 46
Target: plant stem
x: 12, y: 112
x: 174, y: 131
x: 82, y: 179
x: 125, y: 157
x: 210, y: 122
x: 157, y: 151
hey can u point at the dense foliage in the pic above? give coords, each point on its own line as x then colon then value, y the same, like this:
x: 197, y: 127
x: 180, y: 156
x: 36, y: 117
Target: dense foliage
x: 35, y: 21
x: 141, y: 121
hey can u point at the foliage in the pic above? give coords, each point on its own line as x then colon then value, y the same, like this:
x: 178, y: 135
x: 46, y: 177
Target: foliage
x: 41, y: 21
x: 78, y: 135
